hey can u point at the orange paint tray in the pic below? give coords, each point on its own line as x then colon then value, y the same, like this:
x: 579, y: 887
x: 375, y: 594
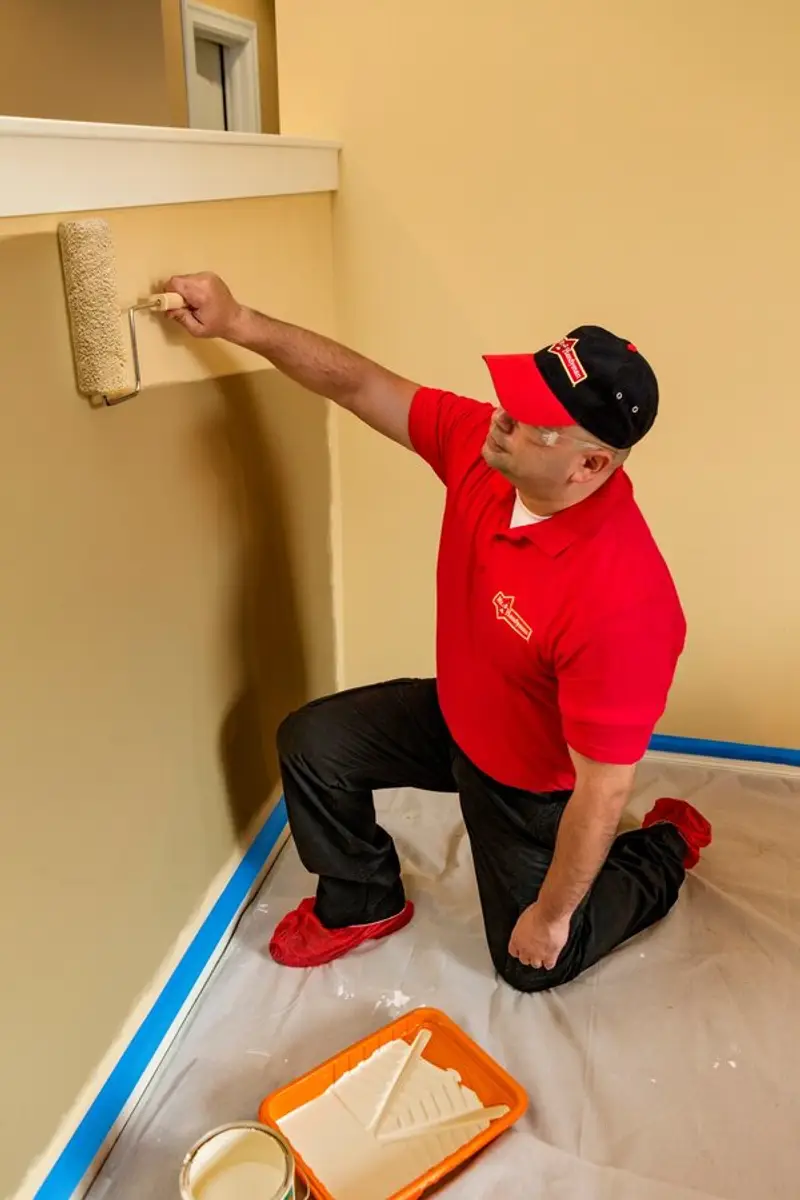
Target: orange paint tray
x: 448, y: 1047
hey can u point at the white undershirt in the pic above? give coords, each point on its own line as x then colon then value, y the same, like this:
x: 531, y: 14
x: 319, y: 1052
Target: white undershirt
x: 523, y: 516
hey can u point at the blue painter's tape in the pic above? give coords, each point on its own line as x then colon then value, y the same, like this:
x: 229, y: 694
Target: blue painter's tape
x: 85, y: 1144
x: 739, y: 751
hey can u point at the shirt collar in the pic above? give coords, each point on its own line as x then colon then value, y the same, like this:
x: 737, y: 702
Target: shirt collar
x: 579, y: 520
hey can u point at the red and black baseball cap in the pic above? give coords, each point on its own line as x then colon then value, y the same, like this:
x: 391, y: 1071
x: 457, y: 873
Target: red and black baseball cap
x: 590, y: 378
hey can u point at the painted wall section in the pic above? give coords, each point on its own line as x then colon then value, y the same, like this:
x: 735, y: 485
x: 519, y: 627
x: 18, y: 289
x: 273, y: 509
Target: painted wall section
x: 515, y: 171
x: 165, y: 601
x: 84, y: 61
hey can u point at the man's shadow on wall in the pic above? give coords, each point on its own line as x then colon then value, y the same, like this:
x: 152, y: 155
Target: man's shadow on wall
x: 269, y: 445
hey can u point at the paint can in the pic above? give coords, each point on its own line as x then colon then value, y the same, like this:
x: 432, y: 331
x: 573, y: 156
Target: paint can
x: 241, y: 1161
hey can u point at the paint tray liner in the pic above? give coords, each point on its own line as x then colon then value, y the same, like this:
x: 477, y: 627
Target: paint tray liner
x: 396, y: 1113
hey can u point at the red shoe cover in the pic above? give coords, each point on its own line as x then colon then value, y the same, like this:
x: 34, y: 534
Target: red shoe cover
x: 301, y: 940
x: 691, y: 825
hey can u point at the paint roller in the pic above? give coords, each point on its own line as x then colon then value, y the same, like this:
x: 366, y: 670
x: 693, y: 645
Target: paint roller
x: 96, y: 320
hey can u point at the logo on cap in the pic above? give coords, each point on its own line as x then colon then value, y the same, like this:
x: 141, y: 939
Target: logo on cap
x: 568, y: 357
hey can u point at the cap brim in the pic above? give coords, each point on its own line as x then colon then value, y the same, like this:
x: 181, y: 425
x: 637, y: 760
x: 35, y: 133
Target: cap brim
x: 523, y: 393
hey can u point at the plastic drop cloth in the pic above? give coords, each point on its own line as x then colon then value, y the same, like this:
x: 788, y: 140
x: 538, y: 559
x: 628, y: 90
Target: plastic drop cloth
x: 668, y: 1072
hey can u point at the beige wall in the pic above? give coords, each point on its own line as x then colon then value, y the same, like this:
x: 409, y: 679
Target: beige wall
x: 262, y: 12
x: 172, y: 32
x: 84, y: 61
x: 512, y: 171
x: 165, y: 600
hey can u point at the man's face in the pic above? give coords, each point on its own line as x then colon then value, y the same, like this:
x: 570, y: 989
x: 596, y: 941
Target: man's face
x: 521, y: 453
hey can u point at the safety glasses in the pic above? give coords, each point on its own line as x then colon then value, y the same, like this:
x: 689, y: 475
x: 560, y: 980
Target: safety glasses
x: 551, y: 437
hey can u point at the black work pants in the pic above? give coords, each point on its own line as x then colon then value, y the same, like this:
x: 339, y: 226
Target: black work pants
x: 335, y: 751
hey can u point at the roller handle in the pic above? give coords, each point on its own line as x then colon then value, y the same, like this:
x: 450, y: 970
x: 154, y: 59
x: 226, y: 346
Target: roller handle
x: 166, y: 302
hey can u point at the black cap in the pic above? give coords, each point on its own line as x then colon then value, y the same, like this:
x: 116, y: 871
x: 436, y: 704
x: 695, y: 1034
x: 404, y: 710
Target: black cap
x: 590, y: 378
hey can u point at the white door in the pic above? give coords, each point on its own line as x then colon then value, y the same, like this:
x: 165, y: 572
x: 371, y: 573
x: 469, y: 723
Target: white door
x: 209, y: 110
x: 221, y: 56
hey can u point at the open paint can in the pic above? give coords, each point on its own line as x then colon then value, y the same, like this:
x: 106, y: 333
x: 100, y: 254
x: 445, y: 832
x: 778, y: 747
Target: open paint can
x: 242, y: 1161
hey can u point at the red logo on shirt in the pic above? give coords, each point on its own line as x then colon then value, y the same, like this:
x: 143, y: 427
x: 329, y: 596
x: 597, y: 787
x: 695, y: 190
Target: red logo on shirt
x: 504, y: 607
x: 567, y: 355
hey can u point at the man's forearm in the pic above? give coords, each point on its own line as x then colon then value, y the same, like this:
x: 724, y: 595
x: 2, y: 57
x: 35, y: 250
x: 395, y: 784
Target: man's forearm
x: 587, y: 829
x: 317, y: 363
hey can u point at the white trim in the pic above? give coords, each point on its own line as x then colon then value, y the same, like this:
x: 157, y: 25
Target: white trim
x: 40, y: 1169
x: 73, y: 166
x: 45, y: 127
x: 240, y: 37
x: 738, y: 766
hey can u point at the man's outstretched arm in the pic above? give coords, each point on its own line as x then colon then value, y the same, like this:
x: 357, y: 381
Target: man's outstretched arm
x: 378, y: 397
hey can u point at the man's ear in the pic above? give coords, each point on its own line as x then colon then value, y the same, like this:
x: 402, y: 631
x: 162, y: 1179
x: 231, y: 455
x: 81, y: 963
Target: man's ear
x: 593, y: 464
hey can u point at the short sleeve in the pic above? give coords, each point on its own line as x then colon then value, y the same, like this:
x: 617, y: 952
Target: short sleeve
x: 446, y: 430
x: 613, y: 687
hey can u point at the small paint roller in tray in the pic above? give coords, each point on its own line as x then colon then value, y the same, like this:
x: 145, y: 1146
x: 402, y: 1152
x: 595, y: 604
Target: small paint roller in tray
x: 395, y: 1114
x: 100, y: 346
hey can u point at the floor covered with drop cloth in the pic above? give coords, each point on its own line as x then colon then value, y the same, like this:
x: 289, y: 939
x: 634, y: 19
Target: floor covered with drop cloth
x: 671, y: 1071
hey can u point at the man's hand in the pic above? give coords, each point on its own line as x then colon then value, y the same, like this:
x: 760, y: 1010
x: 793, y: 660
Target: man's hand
x: 211, y: 311
x: 537, y: 941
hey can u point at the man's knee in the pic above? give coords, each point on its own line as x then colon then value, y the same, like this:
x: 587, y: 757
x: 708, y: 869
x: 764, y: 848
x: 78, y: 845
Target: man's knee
x: 298, y: 733
x: 309, y: 743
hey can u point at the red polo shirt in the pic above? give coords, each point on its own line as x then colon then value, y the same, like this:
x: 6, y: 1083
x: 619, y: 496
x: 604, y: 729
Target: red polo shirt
x: 563, y: 633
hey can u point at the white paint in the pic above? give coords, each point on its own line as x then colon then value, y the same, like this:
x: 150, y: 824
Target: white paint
x: 239, y: 1164
x: 75, y: 166
x: 395, y: 1001
x: 239, y: 39
x: 332, y: 1134
x: 406, y: 1064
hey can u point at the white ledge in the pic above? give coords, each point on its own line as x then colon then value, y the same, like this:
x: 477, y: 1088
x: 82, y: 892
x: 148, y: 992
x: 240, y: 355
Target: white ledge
x: 75, y: 166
